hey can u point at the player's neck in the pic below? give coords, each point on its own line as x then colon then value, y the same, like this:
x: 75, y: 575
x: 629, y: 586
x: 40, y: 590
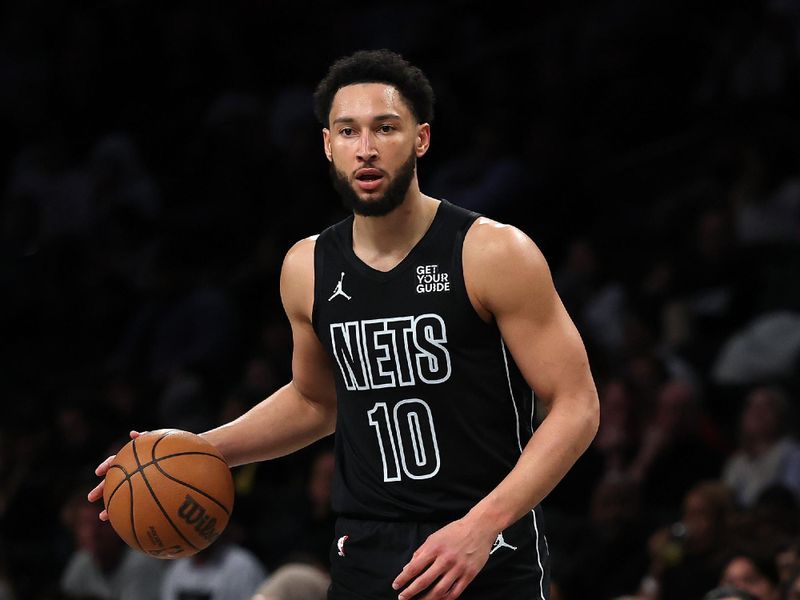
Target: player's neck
x: 382, y: 242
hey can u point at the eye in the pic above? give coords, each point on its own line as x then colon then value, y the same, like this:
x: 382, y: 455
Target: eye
x: 386, y: 128
x: 346, y: 131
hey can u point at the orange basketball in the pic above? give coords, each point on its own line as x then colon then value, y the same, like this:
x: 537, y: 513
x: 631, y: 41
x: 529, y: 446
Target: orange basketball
x: 169, y: 493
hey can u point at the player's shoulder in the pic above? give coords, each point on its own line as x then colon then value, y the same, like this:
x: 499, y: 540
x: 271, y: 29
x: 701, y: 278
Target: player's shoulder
x: 490, y: 243
x: 301, y: 255
x: 303, y: 247
x: 297, y: 276
x: 503, y: 267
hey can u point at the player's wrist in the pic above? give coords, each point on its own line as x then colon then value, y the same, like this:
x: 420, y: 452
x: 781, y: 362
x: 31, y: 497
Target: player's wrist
x: 489, y: 517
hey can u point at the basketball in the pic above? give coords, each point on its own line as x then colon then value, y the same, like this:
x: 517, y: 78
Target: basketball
x: 168, y: 493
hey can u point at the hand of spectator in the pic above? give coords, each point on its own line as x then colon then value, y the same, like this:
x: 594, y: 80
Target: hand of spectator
x: 655, y: 547
x: 448, y: 560
x: 100, y: 471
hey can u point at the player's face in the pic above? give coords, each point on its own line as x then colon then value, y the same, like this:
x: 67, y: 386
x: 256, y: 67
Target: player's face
x: 373, y: 143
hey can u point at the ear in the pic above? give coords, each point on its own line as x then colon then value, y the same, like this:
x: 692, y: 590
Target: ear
x: 423, y: 140
x: 326, y: 141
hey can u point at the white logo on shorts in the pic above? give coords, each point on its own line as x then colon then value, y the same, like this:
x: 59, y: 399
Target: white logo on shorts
x: 500, y: 542
x: 340, y: 544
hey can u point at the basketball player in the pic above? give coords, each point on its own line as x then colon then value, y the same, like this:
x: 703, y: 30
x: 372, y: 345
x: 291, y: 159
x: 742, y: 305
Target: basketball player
x: 419, y: 330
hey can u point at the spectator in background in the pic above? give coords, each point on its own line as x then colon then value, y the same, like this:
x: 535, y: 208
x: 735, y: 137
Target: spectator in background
x: 291, y: 123
x: 48, y: 195
x: 319, y: 531
x: 708, y: 285
x: 604, y: 557
x: 223, y: 571
x: 753, y: 572
x: 75, y: 433
x: 766, y: 348
x: 774, y: 516
x: 578, y: 276
x: 295, y: 581
x: 765, y: 201
x: 301, y: 523
x: 184, y: 402
x: 187, y: 322
x: 686, y: 558
x: 488, y: 177
x: 767, y: 453
x: 793, y: 586
x: 102, y: 567
x: 787, y: 559
x: 618, y: 436
x: 608, y: 457
x: 121, y: 186
x: 678, y: 449
x: 126, y: 202
x: 728, y: 593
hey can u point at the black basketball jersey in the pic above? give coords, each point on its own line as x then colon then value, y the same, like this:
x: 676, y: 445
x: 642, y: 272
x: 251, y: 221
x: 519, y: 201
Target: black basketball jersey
x: 432, y: 411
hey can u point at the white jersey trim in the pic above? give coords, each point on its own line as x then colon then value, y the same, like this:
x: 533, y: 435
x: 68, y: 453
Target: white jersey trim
x: 519, y: 445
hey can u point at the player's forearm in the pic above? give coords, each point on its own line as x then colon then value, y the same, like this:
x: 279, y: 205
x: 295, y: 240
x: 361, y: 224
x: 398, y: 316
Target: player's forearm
x: 282, y: 423
x: 559, y: 441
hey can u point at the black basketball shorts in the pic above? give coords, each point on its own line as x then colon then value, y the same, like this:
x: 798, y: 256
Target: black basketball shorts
x: 367, y: 556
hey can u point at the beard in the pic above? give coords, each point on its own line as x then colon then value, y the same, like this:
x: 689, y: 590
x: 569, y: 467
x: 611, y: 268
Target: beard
x: 377, y: 207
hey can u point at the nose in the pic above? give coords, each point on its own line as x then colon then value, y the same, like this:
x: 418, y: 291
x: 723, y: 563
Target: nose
x: 367, y: 151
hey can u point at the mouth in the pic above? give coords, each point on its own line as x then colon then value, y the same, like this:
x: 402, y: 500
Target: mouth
x: 368, y: 180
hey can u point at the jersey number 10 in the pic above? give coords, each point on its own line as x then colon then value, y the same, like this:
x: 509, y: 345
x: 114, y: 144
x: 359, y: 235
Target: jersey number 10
x: 407, y: 440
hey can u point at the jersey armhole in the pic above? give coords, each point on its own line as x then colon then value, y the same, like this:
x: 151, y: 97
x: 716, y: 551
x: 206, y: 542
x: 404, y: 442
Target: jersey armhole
x: 458, y: 265
x: 319, y: 260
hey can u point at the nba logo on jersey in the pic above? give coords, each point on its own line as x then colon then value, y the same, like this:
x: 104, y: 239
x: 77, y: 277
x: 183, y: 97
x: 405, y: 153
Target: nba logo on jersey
x: 430, y: 279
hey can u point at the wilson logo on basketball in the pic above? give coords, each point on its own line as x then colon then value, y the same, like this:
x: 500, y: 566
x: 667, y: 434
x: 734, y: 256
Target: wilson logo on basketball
x: 194, y: 514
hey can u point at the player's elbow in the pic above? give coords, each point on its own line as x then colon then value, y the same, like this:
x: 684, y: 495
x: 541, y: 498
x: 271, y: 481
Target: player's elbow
x: 577, y: 415
x: 583, y: 415
x: 590, y: 416
x: 320, y: 402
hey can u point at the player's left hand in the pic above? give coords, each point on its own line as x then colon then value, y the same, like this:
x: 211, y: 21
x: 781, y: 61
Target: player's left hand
x: 450, y: 558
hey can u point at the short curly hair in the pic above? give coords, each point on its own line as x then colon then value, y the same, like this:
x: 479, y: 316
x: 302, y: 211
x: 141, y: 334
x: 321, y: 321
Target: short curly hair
x: 376, y: 66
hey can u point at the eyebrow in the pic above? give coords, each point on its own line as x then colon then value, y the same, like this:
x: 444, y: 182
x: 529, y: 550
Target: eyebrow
x: 382, y: 117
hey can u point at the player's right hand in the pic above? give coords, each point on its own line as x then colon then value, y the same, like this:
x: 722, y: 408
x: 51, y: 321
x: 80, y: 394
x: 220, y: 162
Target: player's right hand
x: 100, y: 471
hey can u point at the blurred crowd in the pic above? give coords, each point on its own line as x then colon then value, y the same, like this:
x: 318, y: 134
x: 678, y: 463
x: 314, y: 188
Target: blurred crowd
x: 158, y: 159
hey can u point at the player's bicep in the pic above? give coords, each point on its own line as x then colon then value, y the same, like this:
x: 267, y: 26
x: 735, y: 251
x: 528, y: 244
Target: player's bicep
x: 513, y: 282
x: 312, y: 374
x: 547, y: 349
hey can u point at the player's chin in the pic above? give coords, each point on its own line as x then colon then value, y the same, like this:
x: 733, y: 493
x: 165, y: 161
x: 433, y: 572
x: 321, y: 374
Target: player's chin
x: 369, y: 189
x: 368, y: 200
x: 371, y: 198
x: 367, y: 195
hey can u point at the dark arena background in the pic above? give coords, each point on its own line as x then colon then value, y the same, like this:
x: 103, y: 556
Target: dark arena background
x: 157, y: 159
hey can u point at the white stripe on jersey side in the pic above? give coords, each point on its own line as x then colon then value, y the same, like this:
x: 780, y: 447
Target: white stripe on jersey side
x: 519, y: 445
x: 511, y: 393
x: 533, y: 416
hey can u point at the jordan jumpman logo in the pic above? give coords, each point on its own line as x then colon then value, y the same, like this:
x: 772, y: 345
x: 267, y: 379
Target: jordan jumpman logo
x: 338, y: 291
x: 500, y: 542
